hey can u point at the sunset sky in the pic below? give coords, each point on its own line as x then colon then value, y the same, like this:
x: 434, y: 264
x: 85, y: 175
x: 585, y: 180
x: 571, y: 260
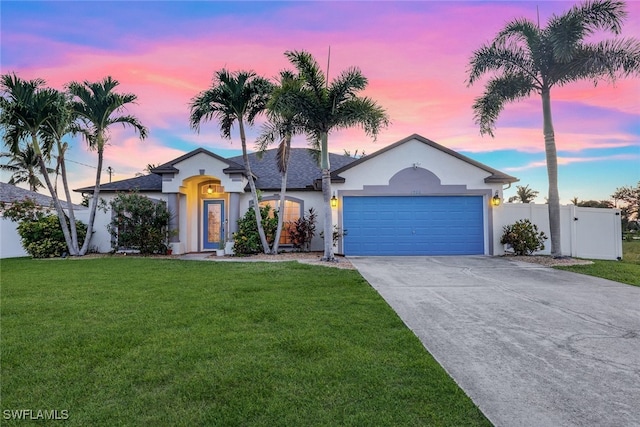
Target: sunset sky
x: 415, y: 55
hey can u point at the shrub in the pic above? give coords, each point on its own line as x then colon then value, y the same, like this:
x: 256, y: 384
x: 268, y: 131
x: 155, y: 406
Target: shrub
x: 302, y: 230
x: 523, y: 237
x: 43, y: 238
x: 337, y: 233
x: 246, y: 240
x: 140, y: 223
x: 40, y: 232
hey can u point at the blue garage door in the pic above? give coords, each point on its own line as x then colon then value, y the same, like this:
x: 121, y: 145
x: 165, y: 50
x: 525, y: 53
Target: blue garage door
x: 421, y: 225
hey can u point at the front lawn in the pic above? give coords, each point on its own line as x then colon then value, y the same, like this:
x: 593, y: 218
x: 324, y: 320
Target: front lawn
x: 135, y: 341
x: 625, y: 271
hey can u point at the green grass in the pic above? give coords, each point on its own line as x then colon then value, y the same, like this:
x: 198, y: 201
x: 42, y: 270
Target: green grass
x: 625, y: 271
x: 135, y: 341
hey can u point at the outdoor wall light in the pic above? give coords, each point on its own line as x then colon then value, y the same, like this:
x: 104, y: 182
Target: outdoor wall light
x: 334, y: 201
x: 209, y: 189
x: 495, y: 200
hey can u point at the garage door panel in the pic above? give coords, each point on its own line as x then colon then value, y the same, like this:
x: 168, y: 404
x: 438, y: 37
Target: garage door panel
x: 421, y: 225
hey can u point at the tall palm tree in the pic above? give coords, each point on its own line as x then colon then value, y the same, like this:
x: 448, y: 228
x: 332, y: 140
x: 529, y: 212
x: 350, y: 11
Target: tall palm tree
x: 24, y: 167
x: 524, y: 194
x: 235, y: 97
x: 26, y: 110
x: 325, y: 107
x: 57, y: 127
x: 97, y: 108
x: 282, y: 126
x: 524, y: 59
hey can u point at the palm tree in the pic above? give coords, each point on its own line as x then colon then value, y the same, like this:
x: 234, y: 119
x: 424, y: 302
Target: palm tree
x: 234, y: 97
x: 282, y: 125
x: 325, y: 107
x: 524, y: 59
x: 524, y: 194
x: 97, y: 108
x: 24, y: 167
x: 58, y: 126
x: 27, y: 109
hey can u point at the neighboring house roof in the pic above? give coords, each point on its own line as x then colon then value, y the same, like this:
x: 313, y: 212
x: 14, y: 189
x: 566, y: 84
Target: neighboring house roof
x: 146, y: 183
x: 303, y: 168
x: 11, y: 194
x: 495, y: 177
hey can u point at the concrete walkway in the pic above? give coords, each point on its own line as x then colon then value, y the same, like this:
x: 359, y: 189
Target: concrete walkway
x: 532, y: 346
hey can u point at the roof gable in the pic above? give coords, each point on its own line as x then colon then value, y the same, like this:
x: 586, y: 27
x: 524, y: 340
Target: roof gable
x: 170, y: 167
x: 495, y: 177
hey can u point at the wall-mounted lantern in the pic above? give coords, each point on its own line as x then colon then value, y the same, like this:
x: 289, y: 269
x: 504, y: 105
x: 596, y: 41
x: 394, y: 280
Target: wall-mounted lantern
x: 209, y: 189
x: 334, y: 201
x: 495, y: 200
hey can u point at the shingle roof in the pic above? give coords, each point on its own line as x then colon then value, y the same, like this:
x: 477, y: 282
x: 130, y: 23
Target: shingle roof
x: 303, y: 174
x: 11, y: 194
x: 146, y: 183
x: 303, y: 168
x: 303, y: 171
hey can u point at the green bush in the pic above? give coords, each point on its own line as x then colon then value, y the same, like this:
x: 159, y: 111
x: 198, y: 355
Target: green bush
x: 246, y: 240
x: 43, y: 238
x: 40, y: 231
x: 523, y: 237
x: 140, y: 223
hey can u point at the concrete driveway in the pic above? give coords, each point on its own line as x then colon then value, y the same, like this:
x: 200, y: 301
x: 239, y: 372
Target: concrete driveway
x: 532, y: 346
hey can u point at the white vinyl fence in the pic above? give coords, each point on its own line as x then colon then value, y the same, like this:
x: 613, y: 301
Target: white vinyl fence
x: 585, y: 232
x: 10, y: 246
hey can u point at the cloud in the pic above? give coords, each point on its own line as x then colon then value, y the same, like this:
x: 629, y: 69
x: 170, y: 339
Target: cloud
x: 563, y: 161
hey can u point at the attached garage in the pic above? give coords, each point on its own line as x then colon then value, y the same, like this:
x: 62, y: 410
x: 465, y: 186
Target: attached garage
x: 413, y: 225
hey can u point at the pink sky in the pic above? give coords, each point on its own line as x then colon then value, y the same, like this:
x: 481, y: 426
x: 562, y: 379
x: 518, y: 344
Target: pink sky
x: 414, y: 54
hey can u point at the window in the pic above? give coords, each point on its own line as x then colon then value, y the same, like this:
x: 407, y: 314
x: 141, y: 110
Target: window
x: 292, y: 211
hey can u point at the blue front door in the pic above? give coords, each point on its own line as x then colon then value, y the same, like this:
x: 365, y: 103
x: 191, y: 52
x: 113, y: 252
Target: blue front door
x: 213, y: 224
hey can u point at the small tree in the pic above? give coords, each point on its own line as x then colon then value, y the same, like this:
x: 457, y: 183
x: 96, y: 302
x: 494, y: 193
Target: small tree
x: 140, y: 223
x: 523, y: 237
x: 246, y: 240
x: 302, y: 230
x: 524, y: 194
x: 630, y: 209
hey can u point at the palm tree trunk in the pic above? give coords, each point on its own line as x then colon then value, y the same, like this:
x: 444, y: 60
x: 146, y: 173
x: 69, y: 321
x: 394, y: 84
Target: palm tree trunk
x: 56, y: 201
x: 96, y: 194
x: 252, y: 185
x: 67, y: 194
x: 283, y: 190
x: 326, y: 197
x: 552, y: 172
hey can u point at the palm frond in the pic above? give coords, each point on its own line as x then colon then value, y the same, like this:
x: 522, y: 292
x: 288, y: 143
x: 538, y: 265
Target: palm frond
x: 362, y: 112
x: 499, y: 91
x: 502, y: 59
x: 608, y: 59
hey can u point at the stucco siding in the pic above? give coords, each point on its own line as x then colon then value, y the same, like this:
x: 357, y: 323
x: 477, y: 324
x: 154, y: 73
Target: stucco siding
x: 201, y: 165
x: 380, y: 169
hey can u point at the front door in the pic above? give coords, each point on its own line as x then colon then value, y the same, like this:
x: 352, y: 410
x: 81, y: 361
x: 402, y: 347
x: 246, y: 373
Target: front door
x: 213, y: 224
